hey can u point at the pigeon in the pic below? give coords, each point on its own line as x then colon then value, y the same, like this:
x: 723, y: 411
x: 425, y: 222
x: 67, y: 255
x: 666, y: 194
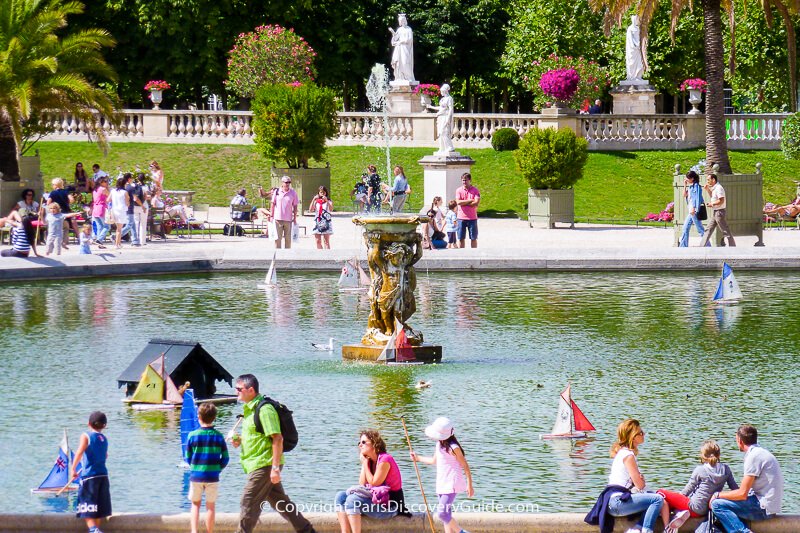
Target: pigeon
x: 423, y: 384
x: 324, y: 347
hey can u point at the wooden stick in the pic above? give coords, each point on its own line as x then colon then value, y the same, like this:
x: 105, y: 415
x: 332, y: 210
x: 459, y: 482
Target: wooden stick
x: 419, y: 478
x: 65, y: 487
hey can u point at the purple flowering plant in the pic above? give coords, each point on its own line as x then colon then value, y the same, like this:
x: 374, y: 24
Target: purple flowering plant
x: 429, y: 89
x: 698, y: 84
x: 592, y: 79
x: 560, y: 84
x: 666, y: 215
x: 270, y: 54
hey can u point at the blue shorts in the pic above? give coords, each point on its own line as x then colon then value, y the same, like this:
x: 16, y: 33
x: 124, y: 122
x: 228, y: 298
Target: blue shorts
x: 94, y: 498
x: 471, y: 225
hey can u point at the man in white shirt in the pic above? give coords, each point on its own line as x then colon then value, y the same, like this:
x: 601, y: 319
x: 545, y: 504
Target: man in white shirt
x: 98, y: 173
x: 718, y: 204
x: 759, y: 494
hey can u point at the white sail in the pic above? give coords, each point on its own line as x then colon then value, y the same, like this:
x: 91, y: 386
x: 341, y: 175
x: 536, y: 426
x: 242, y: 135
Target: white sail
x: 563, y: 423
x: 728, y: 288
x: 389, y: 352
x: 363, y: 277
x: 349, y: 277
x: 271, y: 279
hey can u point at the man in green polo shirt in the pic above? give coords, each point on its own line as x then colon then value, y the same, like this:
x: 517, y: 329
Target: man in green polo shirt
x: 261, y: 457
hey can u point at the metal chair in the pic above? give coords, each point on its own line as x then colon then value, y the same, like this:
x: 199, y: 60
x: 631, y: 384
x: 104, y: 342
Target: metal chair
x: 204, y: 209
x: 245, y: 212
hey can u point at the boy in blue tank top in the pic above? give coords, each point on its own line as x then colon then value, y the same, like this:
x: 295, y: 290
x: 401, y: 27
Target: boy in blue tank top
x: 94, y: 496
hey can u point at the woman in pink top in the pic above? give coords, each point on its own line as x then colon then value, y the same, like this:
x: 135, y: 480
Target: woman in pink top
x: 378, y: 469
x: 451, y: 468
x: 99, y: 207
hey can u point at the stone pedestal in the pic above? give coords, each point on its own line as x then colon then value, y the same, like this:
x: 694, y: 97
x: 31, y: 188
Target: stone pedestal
x: 634, y: 97
x: 425, y: 353
x: 30, y: 178
x: 401, y: 99
x: 442, y: 175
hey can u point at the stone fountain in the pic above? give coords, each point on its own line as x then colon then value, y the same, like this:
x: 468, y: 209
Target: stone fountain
x: 394, y: 246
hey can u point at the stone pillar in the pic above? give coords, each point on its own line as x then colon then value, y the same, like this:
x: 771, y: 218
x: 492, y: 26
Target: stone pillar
x: 155, y: 124
x: 695, y: 128
x: 634, y: 97
x: 401, y: 99
x: 559, y: 117
x: 424, y: 128
x: 442, y: 175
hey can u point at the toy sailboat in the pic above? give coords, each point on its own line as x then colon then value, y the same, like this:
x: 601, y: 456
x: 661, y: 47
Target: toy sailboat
x: 571, y: 423
x: 189, y: 421
x: 57, y: 480
x: 271, y: 279
x: 398, y: 351
x: 156, y: 390
x: 728, y: 288
x: 353, y: 277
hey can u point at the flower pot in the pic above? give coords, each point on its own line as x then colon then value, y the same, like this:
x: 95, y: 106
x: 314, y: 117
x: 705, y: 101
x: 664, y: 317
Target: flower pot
x: 695, y: 98
x: 155, y: 97
x: 546, y: 207
x: 425, y: 100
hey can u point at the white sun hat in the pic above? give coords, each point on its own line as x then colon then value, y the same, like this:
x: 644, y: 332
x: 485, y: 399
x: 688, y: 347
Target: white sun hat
x: 441, y: 429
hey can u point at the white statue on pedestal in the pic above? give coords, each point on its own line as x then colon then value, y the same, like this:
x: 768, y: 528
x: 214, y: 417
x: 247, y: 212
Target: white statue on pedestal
x: 635, y: 63
x: 403, y: 54
x: 444, y: 121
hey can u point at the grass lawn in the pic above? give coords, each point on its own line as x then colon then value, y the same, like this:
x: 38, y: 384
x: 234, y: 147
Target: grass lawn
x: 616, y: 185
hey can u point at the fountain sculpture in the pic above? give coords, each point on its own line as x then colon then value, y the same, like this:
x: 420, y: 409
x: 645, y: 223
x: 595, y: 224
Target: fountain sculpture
x: 394, y: 246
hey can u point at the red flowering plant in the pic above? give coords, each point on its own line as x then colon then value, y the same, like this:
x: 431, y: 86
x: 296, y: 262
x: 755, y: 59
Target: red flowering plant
x: 428, y: 89
x: 156, y: 85
x: 697, y: 84
x: 592, y: 80
x: 664, y: 216
x: 561, y: 84
x: 270, y: 54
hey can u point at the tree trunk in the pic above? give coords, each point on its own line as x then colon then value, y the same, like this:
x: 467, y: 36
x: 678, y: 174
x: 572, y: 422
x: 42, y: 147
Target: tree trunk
x: 716, y: 142
x: 791, y: 50
x: 9, y: 152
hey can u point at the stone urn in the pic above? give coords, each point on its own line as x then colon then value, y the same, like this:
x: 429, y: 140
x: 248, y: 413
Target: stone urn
x: 156, y: 97
x: 425, y: 100
x: 695, y: 98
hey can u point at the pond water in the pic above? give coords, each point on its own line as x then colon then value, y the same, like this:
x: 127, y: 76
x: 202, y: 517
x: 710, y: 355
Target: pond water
x: 650, y: 346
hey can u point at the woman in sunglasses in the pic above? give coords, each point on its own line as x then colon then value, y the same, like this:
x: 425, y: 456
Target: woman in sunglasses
x: 379, y: 481
x: 28, y: 206
x: 625, y: 493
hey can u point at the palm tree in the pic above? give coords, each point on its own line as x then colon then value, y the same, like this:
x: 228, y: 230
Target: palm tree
x: 716, y: 140
x: 786, y: 8
x: 43, y: 67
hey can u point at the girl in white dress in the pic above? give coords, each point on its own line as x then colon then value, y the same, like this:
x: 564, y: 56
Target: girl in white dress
x: 119, y: 207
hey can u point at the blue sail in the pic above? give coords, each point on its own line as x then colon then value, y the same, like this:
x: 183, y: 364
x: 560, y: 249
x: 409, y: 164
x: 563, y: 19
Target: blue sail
x: 728, y: 288
x: 189, y: 420
x: 59, y: 474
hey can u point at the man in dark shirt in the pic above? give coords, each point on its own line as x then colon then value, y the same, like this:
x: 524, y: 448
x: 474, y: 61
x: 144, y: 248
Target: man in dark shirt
x: 374, y: 188
x: 359, y: 193
x: 135, y: 200
x: 59, y: 195
x: 597, y: 108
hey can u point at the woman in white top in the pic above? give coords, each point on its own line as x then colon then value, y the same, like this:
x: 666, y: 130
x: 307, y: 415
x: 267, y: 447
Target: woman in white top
x: 625, y: 473
x: 119, y: 207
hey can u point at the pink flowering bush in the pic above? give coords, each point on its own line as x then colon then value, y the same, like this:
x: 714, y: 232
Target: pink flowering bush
x: 592, y: 79
x: 664, y: 216
x: 561, y: 84
x: 156, y: 85
x: 698, y: 84
x: 429, y: 89
x: 270, y: 54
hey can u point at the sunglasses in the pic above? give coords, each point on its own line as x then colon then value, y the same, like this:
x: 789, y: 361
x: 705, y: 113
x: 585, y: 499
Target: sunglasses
x: 363, y: 442
x: 240, y: 389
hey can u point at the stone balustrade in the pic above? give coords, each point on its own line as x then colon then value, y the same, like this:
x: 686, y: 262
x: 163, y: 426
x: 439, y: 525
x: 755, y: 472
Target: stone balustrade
x: 470, y: 130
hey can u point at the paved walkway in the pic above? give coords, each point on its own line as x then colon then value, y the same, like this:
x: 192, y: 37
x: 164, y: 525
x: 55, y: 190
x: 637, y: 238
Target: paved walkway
x: 504, y: 244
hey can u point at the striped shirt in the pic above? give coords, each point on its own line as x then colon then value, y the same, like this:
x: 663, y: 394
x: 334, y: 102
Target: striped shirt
x: 19, y: 240
x: 207, y: 454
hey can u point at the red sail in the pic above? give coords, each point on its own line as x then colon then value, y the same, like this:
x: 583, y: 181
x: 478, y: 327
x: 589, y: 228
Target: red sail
x: 581, y: 422
x: 404, y: 351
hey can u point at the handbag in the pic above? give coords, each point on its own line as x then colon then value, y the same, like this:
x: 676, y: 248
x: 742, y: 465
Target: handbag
x: 702, y: 212
x: 323, y: 222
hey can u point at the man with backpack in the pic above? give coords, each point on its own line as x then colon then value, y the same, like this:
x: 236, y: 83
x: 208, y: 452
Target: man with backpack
x: 267, y: 428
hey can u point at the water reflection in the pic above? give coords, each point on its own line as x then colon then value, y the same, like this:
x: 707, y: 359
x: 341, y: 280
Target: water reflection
x: 727, y: 315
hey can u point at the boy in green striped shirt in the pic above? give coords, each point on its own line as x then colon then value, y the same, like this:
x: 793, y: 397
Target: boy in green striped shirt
x: 207, y: 455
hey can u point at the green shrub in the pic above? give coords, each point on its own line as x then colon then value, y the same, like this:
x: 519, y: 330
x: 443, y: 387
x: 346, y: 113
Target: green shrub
x: 551, y: 159
x: 292, y: 122
x: 790, y: 137
x: 505, y: 139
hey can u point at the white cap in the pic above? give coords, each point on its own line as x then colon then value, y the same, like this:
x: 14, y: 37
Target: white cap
x: 441, y: 429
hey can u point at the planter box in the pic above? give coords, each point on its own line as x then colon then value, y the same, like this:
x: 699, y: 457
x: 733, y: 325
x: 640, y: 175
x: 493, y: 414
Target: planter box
x: 305, y: 181
x: 744, y: 199
x: 546, y: 207
x: 29, y: 178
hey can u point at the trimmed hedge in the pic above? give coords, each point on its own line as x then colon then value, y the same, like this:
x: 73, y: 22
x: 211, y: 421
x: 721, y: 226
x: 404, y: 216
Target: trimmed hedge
x: 550, y: 159
x: 505, y: 139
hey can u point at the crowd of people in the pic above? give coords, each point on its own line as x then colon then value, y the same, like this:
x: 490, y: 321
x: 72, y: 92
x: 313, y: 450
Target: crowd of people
x: 756, y: 498
x: 123, y: 202
x: 261, y: 442
x: 378, y: 494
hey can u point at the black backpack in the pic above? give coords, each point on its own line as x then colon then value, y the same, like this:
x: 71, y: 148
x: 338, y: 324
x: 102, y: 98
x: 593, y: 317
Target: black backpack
x: 288, y: 429
x: 233, y: 229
